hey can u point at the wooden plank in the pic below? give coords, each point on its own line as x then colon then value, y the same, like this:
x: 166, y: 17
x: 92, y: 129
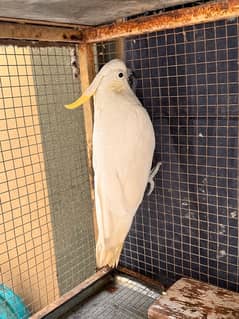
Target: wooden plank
x: 17, y: 31
x: 45, y: 23
x: 76, y: 295
x: 172, y: 19
x: 189, y: 298
x: 120, y: 50
x: 87, y: 72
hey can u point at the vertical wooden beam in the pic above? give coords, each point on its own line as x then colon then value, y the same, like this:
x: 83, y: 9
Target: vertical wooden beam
x: 120, y: 52
x: 87, y: 72
x: 120, y: 48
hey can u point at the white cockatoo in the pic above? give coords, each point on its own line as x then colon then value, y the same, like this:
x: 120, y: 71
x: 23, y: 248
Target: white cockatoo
x: 123, y: 147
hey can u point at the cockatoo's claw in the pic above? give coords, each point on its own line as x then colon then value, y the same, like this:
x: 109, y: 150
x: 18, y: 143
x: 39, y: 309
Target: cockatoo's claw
x: 153, y: 172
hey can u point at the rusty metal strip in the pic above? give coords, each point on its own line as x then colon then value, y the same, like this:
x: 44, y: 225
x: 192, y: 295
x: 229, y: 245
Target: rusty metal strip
x: 18, y: 31
x: 224, y: 9
x: 148, y: 281
x: 172, y: 19
x: 50, y: 310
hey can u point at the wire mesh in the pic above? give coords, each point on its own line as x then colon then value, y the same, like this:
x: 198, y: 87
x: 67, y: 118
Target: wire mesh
x: 189, y: 83
x: 104, y: 52
x: 187, y: 78
x: 124, y: 298
x: 46, y: 228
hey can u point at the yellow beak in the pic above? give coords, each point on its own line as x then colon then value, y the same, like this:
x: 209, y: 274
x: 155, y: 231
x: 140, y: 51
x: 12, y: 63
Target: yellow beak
x: 87, y: 94
x: 84, y: 98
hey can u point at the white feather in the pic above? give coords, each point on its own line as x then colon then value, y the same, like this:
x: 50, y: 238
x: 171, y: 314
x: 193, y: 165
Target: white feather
x: 123, y: 146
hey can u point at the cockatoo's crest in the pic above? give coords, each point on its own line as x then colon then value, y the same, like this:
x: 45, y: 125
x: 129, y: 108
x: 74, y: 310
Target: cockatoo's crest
x: 113, y: 75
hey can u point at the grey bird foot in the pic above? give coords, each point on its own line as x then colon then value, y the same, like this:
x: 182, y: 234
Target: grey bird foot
x: 153, y: 172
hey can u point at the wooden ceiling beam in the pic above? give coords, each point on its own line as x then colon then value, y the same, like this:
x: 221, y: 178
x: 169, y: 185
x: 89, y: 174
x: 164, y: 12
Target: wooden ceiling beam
x: 19, y: 31
x: 45, y: 23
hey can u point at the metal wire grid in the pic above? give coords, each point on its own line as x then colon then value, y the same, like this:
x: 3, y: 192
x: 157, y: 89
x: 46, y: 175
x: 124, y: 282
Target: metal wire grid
x: 46, y: 228
x: 187, y: 79
x: 125, y: 298
x: 104, y: 52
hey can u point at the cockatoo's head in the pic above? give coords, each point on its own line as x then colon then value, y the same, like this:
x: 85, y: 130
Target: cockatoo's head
x: 113, y: 76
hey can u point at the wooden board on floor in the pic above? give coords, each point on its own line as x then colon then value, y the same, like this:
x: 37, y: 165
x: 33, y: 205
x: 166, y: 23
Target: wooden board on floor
x: 189, y: 299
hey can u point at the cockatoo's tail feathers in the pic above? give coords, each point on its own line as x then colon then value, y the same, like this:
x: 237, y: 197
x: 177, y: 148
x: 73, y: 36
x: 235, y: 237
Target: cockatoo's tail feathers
x: 84, y: 98
x: 108, y: 256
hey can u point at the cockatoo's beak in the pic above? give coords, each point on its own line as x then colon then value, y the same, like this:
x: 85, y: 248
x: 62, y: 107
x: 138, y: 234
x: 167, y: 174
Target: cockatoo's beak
x: 84, y: 98
x: 87, y: 94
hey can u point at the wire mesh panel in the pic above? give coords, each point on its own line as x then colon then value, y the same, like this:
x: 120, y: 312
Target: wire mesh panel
x: 187, y: 79
x: 123, y: 298
x: 46, y: 227
x: 105, y: 51
x: 63, y: 137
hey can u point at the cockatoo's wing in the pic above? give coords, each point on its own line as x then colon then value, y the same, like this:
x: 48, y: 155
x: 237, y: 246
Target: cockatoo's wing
x: 123, y: 145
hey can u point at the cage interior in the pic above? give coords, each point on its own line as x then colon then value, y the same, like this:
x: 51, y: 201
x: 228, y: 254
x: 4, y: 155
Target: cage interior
x: 187, y: 79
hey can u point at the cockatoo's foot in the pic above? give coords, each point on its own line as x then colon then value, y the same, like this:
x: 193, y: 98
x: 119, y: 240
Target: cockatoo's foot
x: 153, y: 172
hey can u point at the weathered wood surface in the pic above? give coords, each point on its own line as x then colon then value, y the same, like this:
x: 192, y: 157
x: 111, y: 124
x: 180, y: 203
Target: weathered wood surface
x: 192, y: 299
x: 19, y: 31
x: 87, y: 73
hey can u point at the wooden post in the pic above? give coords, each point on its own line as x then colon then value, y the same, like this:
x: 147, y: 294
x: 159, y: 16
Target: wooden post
x: 120, y: 52
x: 87, y: 72
x: 120, y: 48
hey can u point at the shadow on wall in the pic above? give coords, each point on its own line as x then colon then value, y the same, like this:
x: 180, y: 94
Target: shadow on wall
x: 27, y: 255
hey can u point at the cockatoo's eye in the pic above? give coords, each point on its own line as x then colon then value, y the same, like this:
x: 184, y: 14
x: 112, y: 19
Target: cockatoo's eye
x: 120, y: 75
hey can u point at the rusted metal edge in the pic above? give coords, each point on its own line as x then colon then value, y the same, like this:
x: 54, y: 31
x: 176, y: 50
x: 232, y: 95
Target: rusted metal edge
x: 177, y: 18
x: 222, y: 9
x: 18, y: 31
x: 148, y: 281
x: 76, y: 295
